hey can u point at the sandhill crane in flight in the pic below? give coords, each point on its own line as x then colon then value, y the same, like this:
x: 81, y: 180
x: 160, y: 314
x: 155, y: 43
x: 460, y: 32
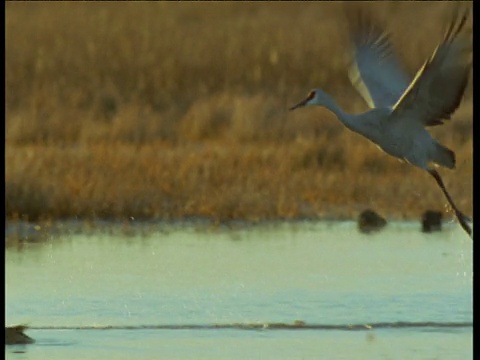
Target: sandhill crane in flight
x: 401, y: 109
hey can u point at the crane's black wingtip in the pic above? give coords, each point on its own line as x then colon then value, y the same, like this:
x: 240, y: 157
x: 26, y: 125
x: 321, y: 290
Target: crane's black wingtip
x: 364, y: 27
x: 458, y: 20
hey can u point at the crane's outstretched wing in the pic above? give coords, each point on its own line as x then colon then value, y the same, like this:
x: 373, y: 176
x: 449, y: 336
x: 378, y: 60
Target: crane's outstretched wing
x: 437, y: 89
x: 375, y: 71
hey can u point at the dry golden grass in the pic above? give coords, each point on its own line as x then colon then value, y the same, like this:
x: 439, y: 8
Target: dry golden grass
x: 171, y: 110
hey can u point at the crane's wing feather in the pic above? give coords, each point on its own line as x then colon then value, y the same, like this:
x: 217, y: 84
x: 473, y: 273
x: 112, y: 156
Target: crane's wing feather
x: 437, y: 89
x: 375, y: 71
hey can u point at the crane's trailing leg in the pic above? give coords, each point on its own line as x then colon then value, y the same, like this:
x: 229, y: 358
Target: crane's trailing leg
x: 462, y: 218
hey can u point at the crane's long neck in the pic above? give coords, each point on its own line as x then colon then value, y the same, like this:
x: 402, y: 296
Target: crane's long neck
x: 368, y: 124
x: 330, y: 103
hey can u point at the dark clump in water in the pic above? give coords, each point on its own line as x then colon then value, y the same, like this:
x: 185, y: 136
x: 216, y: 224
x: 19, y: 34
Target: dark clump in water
x: 15, y: 335
x: 370, y: 221
x: 431, y: 221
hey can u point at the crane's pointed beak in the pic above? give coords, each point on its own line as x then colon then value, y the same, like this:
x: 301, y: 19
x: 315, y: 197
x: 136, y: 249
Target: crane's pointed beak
x: 300, y: 104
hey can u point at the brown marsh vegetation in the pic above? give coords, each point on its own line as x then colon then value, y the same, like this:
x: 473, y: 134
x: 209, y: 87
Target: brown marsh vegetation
x: 168, y: 110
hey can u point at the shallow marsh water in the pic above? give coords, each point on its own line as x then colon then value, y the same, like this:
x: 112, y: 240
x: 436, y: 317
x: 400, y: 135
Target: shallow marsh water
x: 275, y: 291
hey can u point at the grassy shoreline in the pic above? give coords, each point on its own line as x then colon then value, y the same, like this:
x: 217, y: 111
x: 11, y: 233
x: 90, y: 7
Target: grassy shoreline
x: 167, y: 111
x: 251, y: 182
